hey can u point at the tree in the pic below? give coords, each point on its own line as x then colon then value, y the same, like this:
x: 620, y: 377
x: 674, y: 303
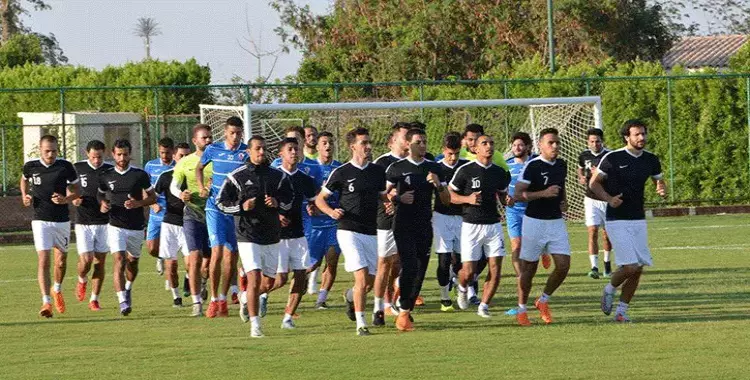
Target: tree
x: 11, y: 12
x: 257, y: 51
x: 20, y: 50
x: 147, y: 27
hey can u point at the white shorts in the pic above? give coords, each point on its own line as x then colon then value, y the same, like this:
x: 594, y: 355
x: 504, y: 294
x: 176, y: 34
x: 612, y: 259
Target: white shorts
x: 359, y: 251
x: 48, y: 235
x: 172, y: 240
x: 259, y: 257
x: 446, y: 231
x: 293, y: 255
x: 539, y: 236
x: 596, y: 212
x: 125, y: 240
x: 630, y: 240
x: 91, y: 238
x: 481, y: 238
x: 386, y: 243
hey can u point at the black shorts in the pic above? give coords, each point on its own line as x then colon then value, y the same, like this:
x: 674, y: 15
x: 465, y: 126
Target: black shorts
x: 196, y: 237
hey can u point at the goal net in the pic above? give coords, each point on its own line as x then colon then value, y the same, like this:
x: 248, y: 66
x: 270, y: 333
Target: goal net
x: 500, y: 117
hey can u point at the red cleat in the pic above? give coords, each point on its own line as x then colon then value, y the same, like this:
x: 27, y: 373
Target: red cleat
x: 81, y: 291
x: 46, y: 311
x: 243, y: 283
x: 419, y: 301
x: 94, y: 306
x: 59, y: 301
x: 235, y: 299
x: 213, y: 309
x: 223, y: 309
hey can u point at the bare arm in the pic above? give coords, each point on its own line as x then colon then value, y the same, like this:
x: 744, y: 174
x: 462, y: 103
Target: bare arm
x: 472, y: 199
x: 199, y: 178
x: 523, y: 195
x: 25, y: 196
x: 321, y: 202
x: 661, y: 187
x: 581, y: 176
x: 597, y: 187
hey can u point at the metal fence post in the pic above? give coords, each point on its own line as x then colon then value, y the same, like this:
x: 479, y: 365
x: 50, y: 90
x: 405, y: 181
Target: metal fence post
x: 671, y: 155
x: 421, y: 99
x: 747, y: 95
x: 5, y: 162
x: 62, y: 124
x: 338, y: 129
x: 248, y: 96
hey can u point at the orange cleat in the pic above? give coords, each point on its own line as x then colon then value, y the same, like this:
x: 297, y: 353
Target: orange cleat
x: 213, y: 309
x: 390, y: 311
x: 403, y: 323
x: 94, y: 306
x: 543, y: 308
x: 235, y: 299
x: 59, y: 301
x: 546, y: 261
x: 223, y: 309
x: 46, y: 311
x: 81, y: 291
x: 419, y: 301
x: 523, y: 319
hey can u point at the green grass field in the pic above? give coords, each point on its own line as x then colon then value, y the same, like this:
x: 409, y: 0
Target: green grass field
x: 691, y: 320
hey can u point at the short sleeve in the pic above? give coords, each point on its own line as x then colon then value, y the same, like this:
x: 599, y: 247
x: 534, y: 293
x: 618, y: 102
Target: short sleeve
x: 656, y: 168
x: 392, y: 175
x: 70, y: 173
x: 581, y: 161
x: 381, y: 183
x: 162, y: 186
x: 565, y: 169
x: 103, y: 184
x: 206, y: 157
x: 458, y: 182
x: 310, y: 189
x: 144, y: 181
x: 526, y: 173
x: 178, y: 175
x: 605, y: 166
x: 503, y: 185
x: 334, y: 182
x: 26, y: 171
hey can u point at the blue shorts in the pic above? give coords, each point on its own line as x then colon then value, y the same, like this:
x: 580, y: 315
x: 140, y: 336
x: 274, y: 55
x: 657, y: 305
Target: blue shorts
x: 514, y: 220
x: 319, y: 240
x: 196, y: 237
x: 153, y: 230
x: 221, y: 230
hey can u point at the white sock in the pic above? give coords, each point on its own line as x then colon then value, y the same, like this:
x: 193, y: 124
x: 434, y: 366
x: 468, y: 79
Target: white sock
x: 461, y: 288
x: 243, y: 297
x: 57, y: 287
x: 83, y: 280
x: 242, y: 271
x: 121, y: 296
x: 187, y: 275
x: 609, y: 288
x: 606, y: 256
x: 222, y: 297
x: 521, y: 307
x: 234, y: 289
x: 349, y: 295
x: 400, y: 310
x: 471, y: 292
x: 378, y: 305
x: 214, y: 299
x: 128, y: 285
x: 175, y: 293
x: 360, y: 319
x: 313, y: 279
x: 622, y: 308
x: 323, y: 295
x: 264, y: 295
x: 484, y: 306
x: 46, y: 299
x: 255, y: 321
x: 94, y: 297
x: 287, y: 317
x: 197, y: 298
x: 445, y: 294
x: 594, y: 260
x: 544, y: 298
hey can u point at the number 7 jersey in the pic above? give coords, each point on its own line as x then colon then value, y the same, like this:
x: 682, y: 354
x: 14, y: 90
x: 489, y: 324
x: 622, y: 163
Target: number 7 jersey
x: 541, y: 174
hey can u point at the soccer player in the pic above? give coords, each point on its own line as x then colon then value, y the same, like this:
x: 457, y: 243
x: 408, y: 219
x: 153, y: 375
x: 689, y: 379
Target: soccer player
x: 91, y: 223
x: 311, y: 142
x: 226, y: 156
x: 388, y: 264
x: 620, y: 181
x: 477, y: 186
x: 123, y: 193
x: 361, y: 186
x: 446, y: 221
x: 542, y: 185
x: 470, y: 137
x: 255, y: 192
x: 194, y: 215
x: 172, y: 237
x: 595, y: 209
x: 322, y: 236
x: 415, y: 180
x: 49, y: 184
x: 154, y: 168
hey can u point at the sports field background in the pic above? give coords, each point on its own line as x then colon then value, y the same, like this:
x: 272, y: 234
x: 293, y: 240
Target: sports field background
x: 691, y: 320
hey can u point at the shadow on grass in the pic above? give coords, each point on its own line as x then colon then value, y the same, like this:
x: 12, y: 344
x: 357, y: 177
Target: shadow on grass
x: 60, y: 321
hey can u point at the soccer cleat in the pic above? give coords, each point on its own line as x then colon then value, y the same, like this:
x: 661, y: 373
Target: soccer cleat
x: 256, y: 332
x: 378, y: 318
x: 197, y: 310
x: 213, y: 309
x: 403, y: 323
x: 59, y: 301
x: 223, y: 309
x: 391, y: 311
x: 127, y: 296
x: 160, y: 266
x: 484, y: 312
x: 46, y: 311
x: 594, y: 273
x: 463, y: 302
x: 607, y: 275
x: 288, y: 325
x: 81, y: 291
x: 94, y: 306
x: 177, y: 302
x: 607, y: 301
x: 523, y: 319
x: 544, y: 312
x: 621, y: 318
x: 474, y: 301
x: 125, y: 309
x: 419, y: 301
x: 321, y: 306
x: 244, y: 313
x: 446, y: 305
x: 243, y: 283
x: 546, y: 261
x: 186, y: 287
x: 263, y: 306
x: 512, y: 311
x: 363, y: 331
x: 350, y: 309
x: 204, y: 290
x: 235, y: 299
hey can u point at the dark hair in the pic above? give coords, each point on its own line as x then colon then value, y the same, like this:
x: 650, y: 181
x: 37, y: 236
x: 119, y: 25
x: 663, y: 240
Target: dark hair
x: 285, y: 141
x: 182, y: 145
x: 95, y: 145
x: 122, y: 144
x: 414, y: 131
x: 48, y: 138
x: 311, y: 127
x: 523, y: 136
x: 632, y: 123
x: 234, y: 121
x: 473, y: 128
x: 401, y: 125
x: 548, y: 131
x: 295, y: 128
x: 351, y: 136
x: 452, y: 140
x: 418, y: 125
x: 255, y: 138
x: 200, y: 126
x: 166, y: 142
x: 325, y: 134
x: 595, y: 132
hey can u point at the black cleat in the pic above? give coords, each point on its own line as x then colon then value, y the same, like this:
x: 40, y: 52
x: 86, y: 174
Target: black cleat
x: 177, y: 302
x: 378, y: 318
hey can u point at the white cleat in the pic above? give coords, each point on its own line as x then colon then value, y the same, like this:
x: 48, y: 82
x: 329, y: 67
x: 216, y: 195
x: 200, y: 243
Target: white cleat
x: 160, y: 266
x: 462, y: 300
x: 484, y: 312
x: 255, y: 332
x: 607, y: 301
x: 197, y: 310
x: 244, y: 313
x: 288, y: 325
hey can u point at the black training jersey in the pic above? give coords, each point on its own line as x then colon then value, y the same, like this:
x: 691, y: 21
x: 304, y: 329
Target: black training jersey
x: 490, y: 180
x: 360, y: 189
x: 88, y: 213
x: 587, y: 160
x: 304, y: 189
x: 407, y: 175
x: 448, y: 172
x: 627, y: 174
x: 175, y: 206
x: 116, y: 187
x: 260, y: 225
x: 385, y: 221
x: 46, y: 180
x: 540, y: 174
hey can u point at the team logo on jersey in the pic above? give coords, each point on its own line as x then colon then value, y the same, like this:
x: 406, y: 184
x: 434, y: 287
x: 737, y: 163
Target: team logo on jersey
x: 249, y: 182
x: 307, y: 170
x: 240, y: 156
x: 111, y: 184
x: 588, y: 165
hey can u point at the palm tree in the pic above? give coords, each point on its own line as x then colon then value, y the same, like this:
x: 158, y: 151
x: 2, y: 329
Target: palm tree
x: 147, y: 27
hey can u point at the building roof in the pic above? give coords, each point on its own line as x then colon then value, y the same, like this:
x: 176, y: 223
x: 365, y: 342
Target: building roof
x: 703, y: 51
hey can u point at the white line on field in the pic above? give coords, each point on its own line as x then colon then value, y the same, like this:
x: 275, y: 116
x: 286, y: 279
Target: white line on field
x: 698, y: 227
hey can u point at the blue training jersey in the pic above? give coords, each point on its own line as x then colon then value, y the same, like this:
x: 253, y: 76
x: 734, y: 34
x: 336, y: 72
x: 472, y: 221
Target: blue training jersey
x: 515, y: 170
x: 225, y: 161
x: 154, y: 168
x: 322, y: 174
